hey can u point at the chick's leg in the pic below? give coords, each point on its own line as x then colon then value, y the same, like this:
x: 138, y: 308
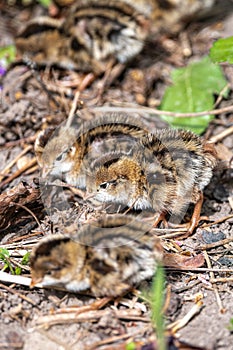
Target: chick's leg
x: 161, y: 217
x: 196, y: 214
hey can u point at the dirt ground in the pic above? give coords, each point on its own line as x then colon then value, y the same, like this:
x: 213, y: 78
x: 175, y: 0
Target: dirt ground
x: 49, y: 319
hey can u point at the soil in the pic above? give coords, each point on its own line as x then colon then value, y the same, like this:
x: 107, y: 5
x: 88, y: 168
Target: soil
x: 50, y: 319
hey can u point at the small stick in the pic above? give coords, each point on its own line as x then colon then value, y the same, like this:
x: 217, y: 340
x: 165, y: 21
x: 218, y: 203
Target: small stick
x: 65, y: 318
x: 111, y: 340
x: 187, y: 287
x: 12, y: 242
x: 74, y: 189
x: 217, y: 221
x: 215, y: 244
x: 86, y: 81
x: 96, y: 305
x: 222, y: 135
x: 73, y: 109
x: 199, y: 269
x: 152, y: 111
x: 32, y: 170
x: 13, y: 162
x: 167, y: 299
x: 218, y: 299
x: 220, y: 96
x: 175, y: 326
x: 29, y: 211
x: 221, y: 279
x: 19, y: 142
x: 31, y: 163
x: 24, y: 281
x: 17, y: 293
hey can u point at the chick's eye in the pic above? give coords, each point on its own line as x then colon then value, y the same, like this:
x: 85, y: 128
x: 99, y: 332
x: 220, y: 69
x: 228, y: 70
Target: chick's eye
x: 104, y: 185
x: 59, y: 158
x: 53, y: 270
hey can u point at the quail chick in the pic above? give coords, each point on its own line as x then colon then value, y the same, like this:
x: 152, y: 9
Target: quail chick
x: 109, y: 256
x: 171, y: 16
x: 109, y: 29
x: 95, y: 32
x: 167, y: 174
x: 92, y: 33
x: 61, y: 153
x: 43, y: 40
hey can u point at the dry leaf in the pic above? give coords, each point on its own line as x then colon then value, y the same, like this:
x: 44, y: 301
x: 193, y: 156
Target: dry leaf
x: 180, y: 261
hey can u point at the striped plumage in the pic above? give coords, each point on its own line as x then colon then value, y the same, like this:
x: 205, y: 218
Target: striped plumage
x: 166, y: 173
x: 109, y: 256
x: 94, y: 32
x: 67, y: 151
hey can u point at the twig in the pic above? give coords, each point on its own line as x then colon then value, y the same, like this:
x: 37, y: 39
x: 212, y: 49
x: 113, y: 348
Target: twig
x: 221, y: 94
x: 50, y: 320
x: 176, y: 233
x: 221, y: 279
x: 16, y: 263
x: 32, y: 170
x: 138, y: 109
x: 111, y: 340
x: 217, y: 221
x: 73, y: 109
x: 10, y: 345
x: 13, y: 162
x: 167, y: 299
x: 215, y: 244
x: 12, y: 241
x: 29, y: 211
x: 24, y: 281
x: 85, y: 82
x: 96, y: 305
x: 19, y: 294
x: 218, y: 299
x: 31, y: 163
x: 222, y: 135
x: 34, y: 72
x: 19, y: 142
x: 189, y: 286
x: 198, y: 269
x: 175, y: 326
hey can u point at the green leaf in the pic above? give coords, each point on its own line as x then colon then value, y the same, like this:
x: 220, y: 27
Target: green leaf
x: 25, y: 259
x: 7, y: 55
x: 230, y: 327
x: 222, y: 50
x: 18, y: 270
x: 45, y: 3
x: 4, y: 256
x: 130, y: 346
x: 157, y: 300
x: 4, y: 253
x: 192, y: 91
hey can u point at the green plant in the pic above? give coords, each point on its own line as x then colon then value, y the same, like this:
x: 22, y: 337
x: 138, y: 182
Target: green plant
x: 157, y: 301
x: 222, y: 50
x: 7, y: 55
x: 5, y: 257
x: 230, y: 326
x: 193, y: 90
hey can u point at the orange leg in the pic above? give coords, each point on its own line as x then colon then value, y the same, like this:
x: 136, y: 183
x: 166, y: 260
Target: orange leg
x: 161, y: 217
x: 193, y: 222
x: 196, y: 214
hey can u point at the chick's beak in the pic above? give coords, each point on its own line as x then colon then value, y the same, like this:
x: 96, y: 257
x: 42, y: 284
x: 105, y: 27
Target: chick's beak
x: 36, y: 282
x: 45, y: 172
